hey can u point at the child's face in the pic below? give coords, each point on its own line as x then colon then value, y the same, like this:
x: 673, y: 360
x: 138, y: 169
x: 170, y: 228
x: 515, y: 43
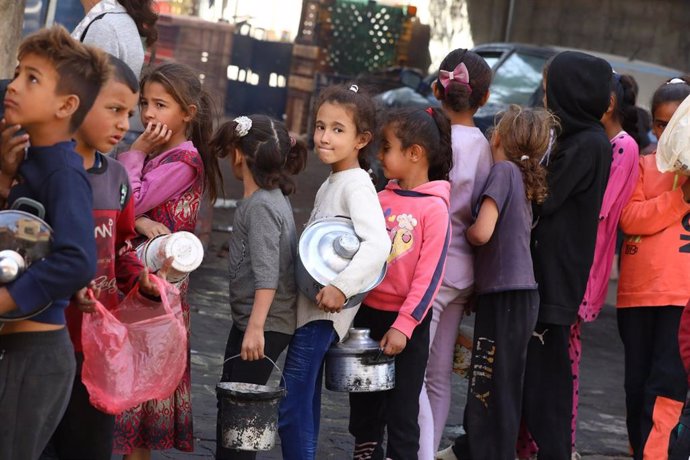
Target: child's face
x: 335, y: 137
x: 31, y: 97
x: 158, y: 106
x: 662, y: 115
x: 108, y: 120
x: 394, y: 159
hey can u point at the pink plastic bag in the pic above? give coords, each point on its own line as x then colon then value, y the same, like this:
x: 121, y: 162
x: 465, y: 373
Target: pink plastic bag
x: 136, y: 352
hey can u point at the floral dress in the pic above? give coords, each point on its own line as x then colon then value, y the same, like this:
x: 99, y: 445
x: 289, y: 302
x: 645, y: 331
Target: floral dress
x: 167, y: 423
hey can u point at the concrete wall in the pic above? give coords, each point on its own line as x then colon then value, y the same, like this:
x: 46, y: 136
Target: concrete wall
x: 652, y: 30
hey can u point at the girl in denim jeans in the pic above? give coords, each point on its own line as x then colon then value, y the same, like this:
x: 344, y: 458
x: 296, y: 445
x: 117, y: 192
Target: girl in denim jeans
x: 345, y: 124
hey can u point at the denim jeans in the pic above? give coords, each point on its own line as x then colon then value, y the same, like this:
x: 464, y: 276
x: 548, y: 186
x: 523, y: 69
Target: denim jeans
x: 300, y: 409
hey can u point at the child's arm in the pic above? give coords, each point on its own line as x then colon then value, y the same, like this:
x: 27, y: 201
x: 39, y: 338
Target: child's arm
x: 253, y: 341
x: 127, y: 264
x: 71, y: 264
x: 159, y: 185
x: 264, y: 249
x: 375, y: 245
x: 427, y: 275
x: 480, y: 232
x: 642, y: 216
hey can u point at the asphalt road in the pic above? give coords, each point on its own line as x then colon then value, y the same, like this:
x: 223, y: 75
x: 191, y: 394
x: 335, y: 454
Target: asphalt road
x: 601, y: 430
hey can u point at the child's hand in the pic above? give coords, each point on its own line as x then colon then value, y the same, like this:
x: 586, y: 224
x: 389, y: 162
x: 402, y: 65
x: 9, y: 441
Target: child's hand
x: 393, y: 342
x: 150, y: 228
x: 330, y: 299
x: 83, y: 301
x: 154, y: 136
x: 148, y: 287
x: 252, y: 344
x: 11, y: 148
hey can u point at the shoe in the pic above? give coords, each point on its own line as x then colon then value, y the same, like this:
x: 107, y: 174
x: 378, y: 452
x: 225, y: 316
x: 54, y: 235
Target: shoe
x: 446, y: 454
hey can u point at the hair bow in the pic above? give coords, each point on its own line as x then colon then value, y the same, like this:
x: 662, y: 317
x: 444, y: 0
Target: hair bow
x: 458, y: 74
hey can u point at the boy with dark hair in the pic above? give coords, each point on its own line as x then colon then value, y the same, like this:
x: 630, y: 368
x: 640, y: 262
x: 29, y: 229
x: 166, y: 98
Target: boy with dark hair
x: 84, y: 431
x: 55, y: 84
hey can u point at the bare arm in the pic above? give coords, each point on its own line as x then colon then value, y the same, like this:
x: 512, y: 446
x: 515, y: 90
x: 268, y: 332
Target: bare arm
x: 480, y: 232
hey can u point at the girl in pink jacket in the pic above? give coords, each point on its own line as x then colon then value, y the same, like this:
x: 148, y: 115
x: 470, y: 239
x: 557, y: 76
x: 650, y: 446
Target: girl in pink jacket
x: 416, y: 155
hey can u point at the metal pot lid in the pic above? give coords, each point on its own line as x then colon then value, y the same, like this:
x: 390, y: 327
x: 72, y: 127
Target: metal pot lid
x: 186, y: 250
x: 326, y: 248
x: 357, y: 342
x: 26, y: 234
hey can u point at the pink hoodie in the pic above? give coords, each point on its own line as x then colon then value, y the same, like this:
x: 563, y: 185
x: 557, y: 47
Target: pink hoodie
x: 622, y: 181
x: 419, y: 226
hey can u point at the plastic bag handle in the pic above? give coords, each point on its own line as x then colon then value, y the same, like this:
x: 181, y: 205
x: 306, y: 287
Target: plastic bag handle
x: 282, y: 377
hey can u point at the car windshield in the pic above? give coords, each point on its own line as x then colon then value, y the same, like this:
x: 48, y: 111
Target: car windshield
x: 516, y: 79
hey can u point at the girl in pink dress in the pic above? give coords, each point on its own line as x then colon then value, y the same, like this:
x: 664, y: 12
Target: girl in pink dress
x: 170, y: 168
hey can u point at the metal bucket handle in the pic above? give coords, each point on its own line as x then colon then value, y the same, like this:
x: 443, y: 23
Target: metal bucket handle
x: 282, y: 377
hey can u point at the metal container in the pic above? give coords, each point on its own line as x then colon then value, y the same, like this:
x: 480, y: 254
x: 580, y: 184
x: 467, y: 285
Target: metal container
x: 25, y: 238
x: 185, y: 249
x: 358, y: 365
x: 326, y: 248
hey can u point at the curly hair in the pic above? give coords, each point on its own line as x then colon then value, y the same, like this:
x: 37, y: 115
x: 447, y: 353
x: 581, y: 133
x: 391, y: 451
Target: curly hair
x: 525, y: 134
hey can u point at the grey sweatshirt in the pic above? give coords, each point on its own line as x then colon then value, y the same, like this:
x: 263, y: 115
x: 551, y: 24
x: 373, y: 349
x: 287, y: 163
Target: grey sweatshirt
x: 263, y: 248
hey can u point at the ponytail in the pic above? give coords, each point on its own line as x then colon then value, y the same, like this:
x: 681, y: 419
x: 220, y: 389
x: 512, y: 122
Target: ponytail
x: 269, y: 151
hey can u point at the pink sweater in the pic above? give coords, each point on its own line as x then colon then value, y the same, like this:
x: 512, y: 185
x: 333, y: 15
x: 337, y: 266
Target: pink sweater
x: 160, y: 182
x: 418, y: 224
x: 622, y: 181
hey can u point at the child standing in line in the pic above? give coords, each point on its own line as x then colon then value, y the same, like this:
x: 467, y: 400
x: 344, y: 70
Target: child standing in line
x: 345, y: 125
x: 563, y: 240
x: 653, y: 288
x: 263, y: 250
x: 621, y: 114
x: 170, y: 168
x: 462, y: 88
x: 507, y: 296
x: 416, y: 156
x: 84, y: 431
x: 55, y: 84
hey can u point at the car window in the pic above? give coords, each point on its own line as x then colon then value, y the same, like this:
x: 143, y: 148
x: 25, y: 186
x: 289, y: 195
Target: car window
x: 516, y: 79
x: 491, y: 58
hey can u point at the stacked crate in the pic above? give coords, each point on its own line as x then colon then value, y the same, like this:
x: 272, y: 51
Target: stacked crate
x: 204, y: 46
x: 339, y: 40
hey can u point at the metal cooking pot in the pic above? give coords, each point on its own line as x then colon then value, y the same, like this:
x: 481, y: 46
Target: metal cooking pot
x: 326, y: 248
x: 25, y: 238
x: 358, y: 365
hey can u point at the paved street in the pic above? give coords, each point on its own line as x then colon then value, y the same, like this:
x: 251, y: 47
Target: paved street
x: 601, y: 431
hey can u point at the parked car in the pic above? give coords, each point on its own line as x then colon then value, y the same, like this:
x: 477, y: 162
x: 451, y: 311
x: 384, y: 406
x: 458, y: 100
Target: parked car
x: 517, y: 78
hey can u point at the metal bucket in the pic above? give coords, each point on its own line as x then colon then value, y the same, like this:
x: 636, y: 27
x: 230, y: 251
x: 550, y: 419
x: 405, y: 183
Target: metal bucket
x: 184, y: 247
x: 326, y: 248
x: 248, y: 414
x: 358, y: 365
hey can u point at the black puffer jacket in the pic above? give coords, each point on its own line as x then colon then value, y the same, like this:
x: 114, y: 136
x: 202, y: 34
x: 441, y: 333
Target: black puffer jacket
x: 577, y: 91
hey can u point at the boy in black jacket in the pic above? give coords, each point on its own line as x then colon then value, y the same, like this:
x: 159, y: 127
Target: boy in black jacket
x: 55, y: 83
x: 577, y: 92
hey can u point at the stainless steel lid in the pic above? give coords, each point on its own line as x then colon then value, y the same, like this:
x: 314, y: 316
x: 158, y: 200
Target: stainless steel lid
x: 326, y: 248
x: 24, y: 233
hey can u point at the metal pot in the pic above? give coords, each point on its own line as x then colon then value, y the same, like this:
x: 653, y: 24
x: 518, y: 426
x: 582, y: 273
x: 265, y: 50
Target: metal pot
x: 326, y: 248
x: 25, y: 238
x: 358, y: 365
